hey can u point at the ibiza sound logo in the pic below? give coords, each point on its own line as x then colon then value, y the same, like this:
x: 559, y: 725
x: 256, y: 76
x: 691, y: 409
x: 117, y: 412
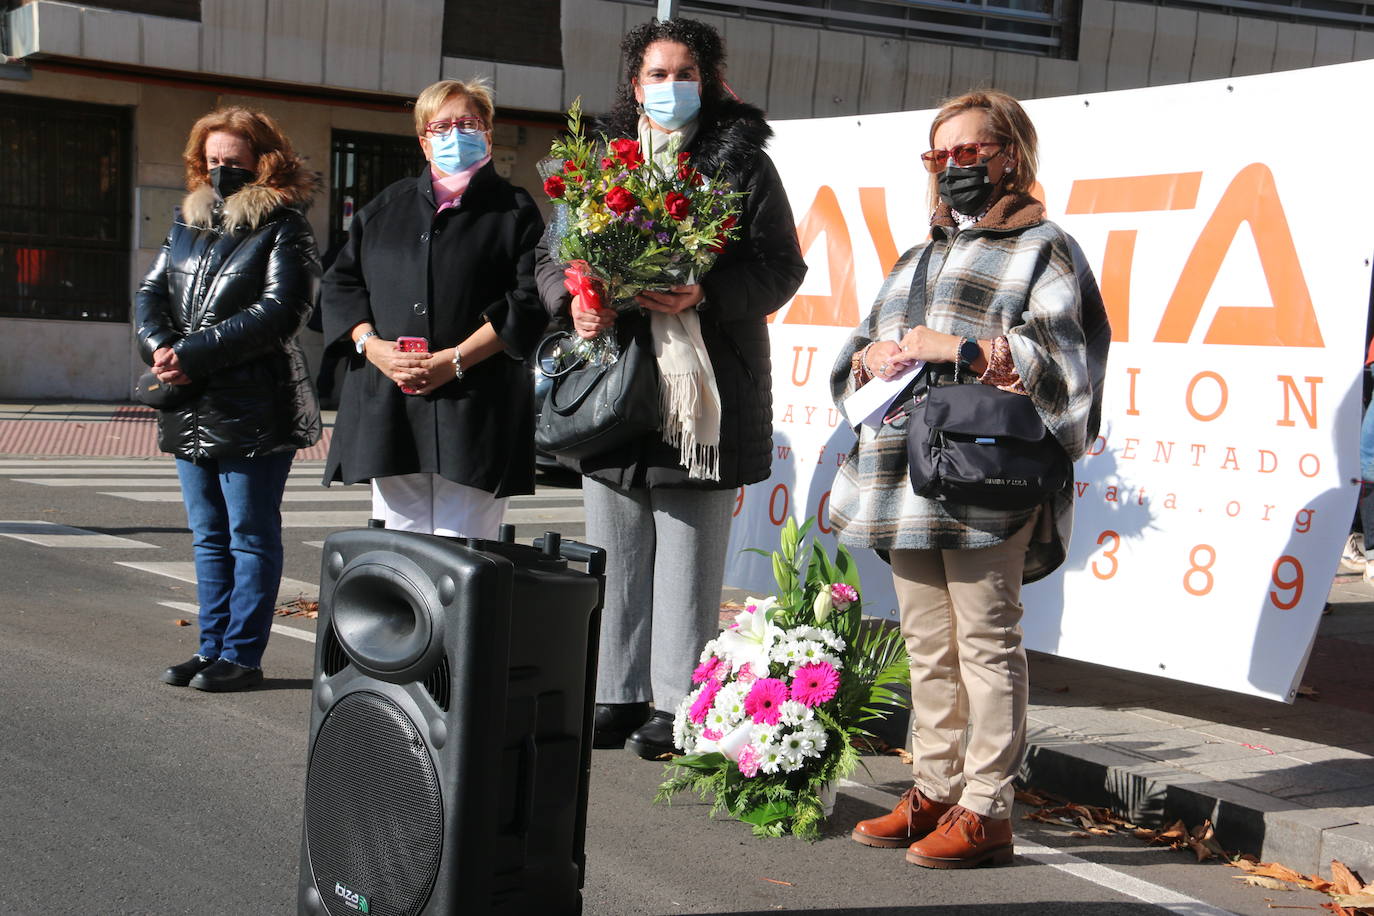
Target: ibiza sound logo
x: 355, y: 900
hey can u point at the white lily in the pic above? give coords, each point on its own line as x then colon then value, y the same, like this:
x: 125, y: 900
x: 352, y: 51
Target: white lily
x: 752, y: 636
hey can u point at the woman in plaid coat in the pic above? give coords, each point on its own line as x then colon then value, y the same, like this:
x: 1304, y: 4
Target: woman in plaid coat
x: 1009, y: 301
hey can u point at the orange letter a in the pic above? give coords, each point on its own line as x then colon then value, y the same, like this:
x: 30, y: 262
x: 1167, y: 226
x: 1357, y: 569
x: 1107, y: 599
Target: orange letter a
x: 1291, y: 321
x: 841, y: 307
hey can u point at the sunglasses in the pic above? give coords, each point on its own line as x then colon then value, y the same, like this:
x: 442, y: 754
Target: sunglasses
x: 558, y: 354
x: 964, y: 155
x: 462, y: 125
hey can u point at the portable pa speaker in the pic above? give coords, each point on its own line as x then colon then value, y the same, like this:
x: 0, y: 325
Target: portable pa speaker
x: 450, y: 726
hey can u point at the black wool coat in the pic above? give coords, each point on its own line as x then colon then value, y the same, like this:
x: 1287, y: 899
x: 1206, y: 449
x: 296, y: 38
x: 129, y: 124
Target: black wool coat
x: 230, y: 290
x: 414, y: 273
x: 754, y: 277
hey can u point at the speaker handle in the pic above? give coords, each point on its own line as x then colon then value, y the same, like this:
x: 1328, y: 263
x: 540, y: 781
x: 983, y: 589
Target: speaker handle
x: 577, y: 552
x: 529, y: 765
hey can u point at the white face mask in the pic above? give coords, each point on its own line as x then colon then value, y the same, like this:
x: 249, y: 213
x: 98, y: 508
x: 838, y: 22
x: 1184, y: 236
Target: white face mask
x: 672, y: 104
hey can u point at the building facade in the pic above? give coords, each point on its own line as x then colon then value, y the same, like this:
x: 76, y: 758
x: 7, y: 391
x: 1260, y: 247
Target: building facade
x: 96, y: 100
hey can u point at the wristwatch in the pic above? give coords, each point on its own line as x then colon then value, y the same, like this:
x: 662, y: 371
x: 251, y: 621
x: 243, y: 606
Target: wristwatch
x: 969, y: 351
x: 361, y: 343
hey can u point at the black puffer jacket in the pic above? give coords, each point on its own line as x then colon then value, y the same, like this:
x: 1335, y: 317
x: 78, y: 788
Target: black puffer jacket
x: 231, y: 288
x: 754, y: 277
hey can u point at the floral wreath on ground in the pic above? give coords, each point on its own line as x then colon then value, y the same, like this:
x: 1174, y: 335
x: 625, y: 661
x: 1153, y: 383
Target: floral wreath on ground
x: 782, y: 694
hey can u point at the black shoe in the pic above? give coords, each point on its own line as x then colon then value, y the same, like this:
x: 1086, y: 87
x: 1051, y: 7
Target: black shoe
x: 180, y: 675
x: 654, y: 739
x: 614, y: 722
x: 224, y: 675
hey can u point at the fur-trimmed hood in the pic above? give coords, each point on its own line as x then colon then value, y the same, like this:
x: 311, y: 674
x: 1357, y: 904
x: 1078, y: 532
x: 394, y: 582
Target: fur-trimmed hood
x: 247, y: 208
x: 729, y: 137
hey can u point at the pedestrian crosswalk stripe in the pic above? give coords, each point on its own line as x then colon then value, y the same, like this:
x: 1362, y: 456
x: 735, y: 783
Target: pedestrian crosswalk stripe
x: 186, y: 572
x: 316, y: 495
x: 187, y: 607
x: 50, y: 534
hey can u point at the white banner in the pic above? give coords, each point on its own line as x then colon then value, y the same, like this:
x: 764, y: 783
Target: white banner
x: 1226, y: 224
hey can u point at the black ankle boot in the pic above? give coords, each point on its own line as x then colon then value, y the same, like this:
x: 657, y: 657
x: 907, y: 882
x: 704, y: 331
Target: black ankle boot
x: 614, y: 722
x: 653, y: 739
x: 224, y: 676
x: 180, y: 675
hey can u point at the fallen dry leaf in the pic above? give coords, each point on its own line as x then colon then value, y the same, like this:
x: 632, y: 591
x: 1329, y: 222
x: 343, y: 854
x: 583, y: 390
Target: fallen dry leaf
x: 181, y: 622
x: 1339, y: 910
x: 1030, y: 798
x: 1311, y: 693
x: 1273, y: 884
x: 1361, y: 901
x: 905, y: 756
x: 1343, y: 880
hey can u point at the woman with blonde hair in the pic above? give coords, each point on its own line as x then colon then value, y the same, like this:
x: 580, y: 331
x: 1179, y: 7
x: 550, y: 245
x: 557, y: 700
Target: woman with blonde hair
x: 218, y: 316
x: 1008, y: 304
x: 435, y: 287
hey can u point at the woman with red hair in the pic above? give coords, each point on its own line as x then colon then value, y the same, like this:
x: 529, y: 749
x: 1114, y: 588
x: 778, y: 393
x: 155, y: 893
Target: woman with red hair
x: 218, y: 316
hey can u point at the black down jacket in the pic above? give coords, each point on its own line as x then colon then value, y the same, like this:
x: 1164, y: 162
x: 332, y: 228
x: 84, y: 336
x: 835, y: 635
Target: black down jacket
x: 754, y: 277
x: 233, y: 285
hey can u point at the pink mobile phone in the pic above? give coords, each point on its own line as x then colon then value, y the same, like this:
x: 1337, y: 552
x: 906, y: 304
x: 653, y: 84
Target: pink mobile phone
x: 411, y: 345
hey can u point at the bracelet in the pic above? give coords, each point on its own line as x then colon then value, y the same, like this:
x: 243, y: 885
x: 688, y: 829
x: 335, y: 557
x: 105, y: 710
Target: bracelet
x: 858, y: 365
x: 457, y: 365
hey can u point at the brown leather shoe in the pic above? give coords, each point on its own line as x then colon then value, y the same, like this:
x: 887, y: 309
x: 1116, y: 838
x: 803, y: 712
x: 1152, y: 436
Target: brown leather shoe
x: 964, y: 840
x: 914, y: 817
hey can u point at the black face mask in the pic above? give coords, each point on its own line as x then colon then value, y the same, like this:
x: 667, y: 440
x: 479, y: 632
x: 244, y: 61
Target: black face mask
x: 965, y: 189
x: 228, y: 179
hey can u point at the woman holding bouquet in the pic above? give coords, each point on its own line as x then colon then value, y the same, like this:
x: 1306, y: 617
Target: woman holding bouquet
x: 442, y: 424
x: 663, y: 510
x: 1009, y: 305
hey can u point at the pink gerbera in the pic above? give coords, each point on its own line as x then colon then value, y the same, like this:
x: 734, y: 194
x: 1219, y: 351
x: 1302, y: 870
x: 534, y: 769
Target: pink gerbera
x: 706, y: 670
x: 815, y: 683
x: 749, y: 761
x: 702, y: 705
x: 765, y: 699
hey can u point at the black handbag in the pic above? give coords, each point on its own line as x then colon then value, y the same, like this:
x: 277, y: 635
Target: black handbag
x: 592, y: 408
x: 975, y: 444
x: 151, y: 391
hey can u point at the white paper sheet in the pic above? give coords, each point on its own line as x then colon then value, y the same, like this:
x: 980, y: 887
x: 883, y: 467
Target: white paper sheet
x: 869, y: 404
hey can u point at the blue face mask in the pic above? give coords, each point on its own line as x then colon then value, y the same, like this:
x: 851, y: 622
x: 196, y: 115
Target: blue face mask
x: 456, y: 151
x: 672, y: 104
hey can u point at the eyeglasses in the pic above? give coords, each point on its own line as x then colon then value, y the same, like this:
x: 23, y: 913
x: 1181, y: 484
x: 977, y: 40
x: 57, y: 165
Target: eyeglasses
x: 462, y: 125
x: 558, y: 354
x: 964, y: 155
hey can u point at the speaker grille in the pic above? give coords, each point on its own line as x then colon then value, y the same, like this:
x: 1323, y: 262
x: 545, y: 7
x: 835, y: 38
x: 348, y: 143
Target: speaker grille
x: 373, y: 809
x: 333, y: 659
x: 438, y: 685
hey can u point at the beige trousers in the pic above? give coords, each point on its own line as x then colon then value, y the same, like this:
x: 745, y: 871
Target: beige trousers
x: 961, y: 617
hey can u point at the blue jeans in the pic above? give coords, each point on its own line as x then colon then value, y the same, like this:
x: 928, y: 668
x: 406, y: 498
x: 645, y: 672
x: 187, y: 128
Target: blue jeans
x: 233, y: 506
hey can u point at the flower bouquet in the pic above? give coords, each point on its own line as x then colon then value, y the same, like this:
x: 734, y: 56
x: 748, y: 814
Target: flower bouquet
x: 624, y: 222
x: 782, y: 694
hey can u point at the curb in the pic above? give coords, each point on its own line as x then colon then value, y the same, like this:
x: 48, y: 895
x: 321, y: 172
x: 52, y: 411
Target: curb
x: 1153, y: 794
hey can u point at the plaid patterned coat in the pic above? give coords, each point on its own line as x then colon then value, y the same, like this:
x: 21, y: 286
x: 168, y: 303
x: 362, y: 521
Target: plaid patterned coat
x: 1017, y: 275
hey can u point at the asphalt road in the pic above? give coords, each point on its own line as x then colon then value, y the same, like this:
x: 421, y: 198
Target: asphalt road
x: 119, y: 794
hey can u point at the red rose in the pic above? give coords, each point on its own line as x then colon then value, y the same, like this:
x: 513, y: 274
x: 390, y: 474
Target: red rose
x: 676, y: 205
x: 627, y: 152
x: 569, y: 166
x: 729, y: 223
x: 697, y: 179
x: 607, y: 163
x: 683, y: 157
x: 618, y: 200
x: 553, y: 186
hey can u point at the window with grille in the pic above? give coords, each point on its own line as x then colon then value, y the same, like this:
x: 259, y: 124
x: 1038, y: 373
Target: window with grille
x: 362, y: 165
x: 1044, y: 27
x: 65, y: 221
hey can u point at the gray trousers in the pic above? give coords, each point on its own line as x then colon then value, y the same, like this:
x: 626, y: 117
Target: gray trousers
x: 665, y: 565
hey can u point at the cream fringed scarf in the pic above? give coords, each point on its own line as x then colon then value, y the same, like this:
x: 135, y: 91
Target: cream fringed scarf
x: 689, y: 398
